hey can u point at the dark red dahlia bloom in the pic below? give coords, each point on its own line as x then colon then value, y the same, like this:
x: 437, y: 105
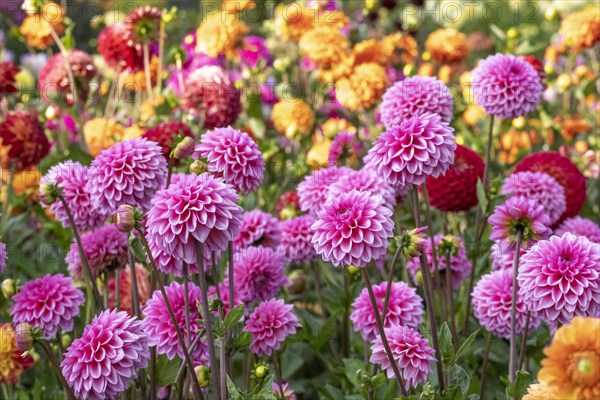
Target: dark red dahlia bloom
x: 22, y: 131
x: 289, y: 200
x: 457, y: 190
x: 565, y: 172
x: 7, y: 78
x: 538, y: 65
x: 54, y: 77
x: 163, y: 134
x: 113, y: 47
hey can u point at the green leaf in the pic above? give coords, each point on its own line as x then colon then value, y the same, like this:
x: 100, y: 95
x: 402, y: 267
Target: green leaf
x: 465, y: 346
x: 482, y: 195
x: 166, y: 370
x: 453, y: 392
x: 256, y: 118
x: 325, y: 333
x: 137, y: 248
x: 498, y: 33
x: 518, y: 388
x: 233, y: 317
x: 460, y: 378
x: 446, y: 346
x: 234, y: 392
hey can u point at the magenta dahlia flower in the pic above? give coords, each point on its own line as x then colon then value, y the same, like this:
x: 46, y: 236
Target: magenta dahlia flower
x: 312, y: 191
x: 130, y: 172
x: 193, y: 208
x: 102, y: 362
x: 105, y: 249
x: 50, y: 303
x: 410, y: 350
x: 519, y: 213
x: 71, y: 178
x: 560, y: 278
x: 413, y: 97
x: 492, y: 305
x: 270, y: 323
x: 258, y: 228
x: 579, y: 226
x: 364, y: 180
x: 404, y: 308
x: 3, y: 257
x: 259, y: 273
x: 288, y: 392
x: 539, y: 187
x: 345, y: 146
x: 408, y: 153
x: 506, y: 86
x: 296, y: 239
x: 352, y: 229
x: 171, y: 264
x: 159, y: 326
x: 233, y: 155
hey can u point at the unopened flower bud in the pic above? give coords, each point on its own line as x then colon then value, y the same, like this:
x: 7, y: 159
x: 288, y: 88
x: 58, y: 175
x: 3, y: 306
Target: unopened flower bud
x: 24, y: 336
x: 519, y: 123
x: 125, y: 218
x: 198, y: 167
x: 66, y: 340
x: 352, y: 270
x: 261, y: 371
x: 184, y: 148
x: 512, y: 33
x: 563, y: 82
x: 448, y: 245
x: 9, y: 288
x: 297, y: 282
x: 408, y: 70
x: 550, y: 13
x: 203, y: 374
x: 48, y: 193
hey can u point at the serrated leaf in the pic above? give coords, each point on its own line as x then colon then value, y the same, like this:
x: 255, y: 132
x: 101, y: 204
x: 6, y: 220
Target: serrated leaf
x: 518, y: 388
x: 166, y: 370
x: 234, y: 392
x: 460, y: 378
x: 241, y: 341
x: 233, y: 317
x: 481, y: 195
x: 137, y: 248
x: 465, y: 346
x: 446, y: 346
x: 325, y: 333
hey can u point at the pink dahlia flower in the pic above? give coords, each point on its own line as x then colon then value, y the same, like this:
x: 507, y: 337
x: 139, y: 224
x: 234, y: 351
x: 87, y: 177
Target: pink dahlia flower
x: 105, y: 248
x: 519, y: 213
x: 579, y: 226
x: 503, y: 256
x: 492, y: 305
x: 288, y: 392
x: 364, y: 180
x: 50, y: 303
x: 270, y: 323
x: 296, y: 239
x: 312, y: 191
x: 71, y: 178
x: 404, y: 308
x: 159, y: 326
x: 410, y: 350
x: 539, y: 187
x: 3, y: 257
x: 193, y: 208
x: 130, y: 172
x: 258, y: 228
x: 413, y: 97
x: 560, y: 278
x: 233, y: 155
x: 352, y: 229
x: 408, y: 153
x: 345, y: 146
x: 102, y: 362
x: 259, y: 273
x: 506, y: 86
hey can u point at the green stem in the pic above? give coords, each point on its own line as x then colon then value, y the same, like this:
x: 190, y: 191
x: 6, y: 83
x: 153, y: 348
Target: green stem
x: 513, y: 311
x: 68, y: 391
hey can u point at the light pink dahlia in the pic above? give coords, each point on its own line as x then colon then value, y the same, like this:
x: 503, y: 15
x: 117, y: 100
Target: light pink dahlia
x: 233, y: 155
x: 364, y: 180
x: 312, y: 191
x: 71, y: 178
x: 102, y: 362
x: 408, y: 153
x: 296, y: 239
x: 50, y: 303
x: 270, y: 323
x: 130, y: 172
x: 519, y: 213
x: 352, y: 229
x: 410, y: 350
x: 193, y: 208
x: 159, y: 326
x: 560, y: 278
x: 539, y: 187
x: 579, y: 226
x: 258, y: 228
x: 259, y: 273
x: 105, y: 249
x: 404, y: 308
x: 492, y: 305
x: 415, y: 96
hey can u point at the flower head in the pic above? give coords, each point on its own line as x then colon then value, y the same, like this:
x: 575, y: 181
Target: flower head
x: 579, y: 226
x: 258, y: 228
x: 259, y: 273
x: 54, y: 78
x: 296, y: 235
x: 103, y: 361
x: 287, y: 206
x: 503, y: 256
x: 7, y: 77
x: 224, y: 293
x: 143, y: 24
x: 313, y: 190
x: 345, y: 146
x: 364, y: 180
x: 581, y: 29
x: 114, y: 48
x: 325, y: 46
x: 220, y: 33
x: 363, y: 87
x: 37, y: 27
x: 23, y: 134
x: 292, y: 116
x: 254, y: 51
x: 125, y: 293
x: 288, y: 392
x: 12, y: 363
x: 447, y: 46
x: 164, y: 135
x: 540, y: 391
x: 270, y: 323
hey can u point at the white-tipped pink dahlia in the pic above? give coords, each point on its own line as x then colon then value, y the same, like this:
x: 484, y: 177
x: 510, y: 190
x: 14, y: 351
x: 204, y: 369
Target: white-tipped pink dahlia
x: 270, y: 323
x: 313, y: 190
x: 364, y: 180
x: 258, y: 228
x: 579, y: 226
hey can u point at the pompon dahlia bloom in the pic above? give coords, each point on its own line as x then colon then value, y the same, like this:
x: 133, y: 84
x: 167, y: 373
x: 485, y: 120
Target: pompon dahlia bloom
x: 560, y: 278
x: 210, y: 92
x: 105, y: 249
x: 103, y: 361
x: 259, y: 273
x: 404, y: 308
x: 23, y: 134
x: 220, y: 33
x: 114, y: 48
x: 410, y: 350
x: 345, y: 146
x: 8, y: 82
x: 540, y: 391
x: 564, y: 172
x: 352, y: 229
x: 579, y: 226
x: 456, y: 190
x: 408, y: 153
x: 447, y: 46
x: 364, y: 180
x: 539, y: 187
x: 296, y: 235
x: 325, y: 46
x: 3, y: 257
x: 159, y: 326
x: 270, y: 323
x: 37, y: 27
x: 233, y: 155
x: 415, y: 96
x: 313, y: 190
x: 164, y: 133
x: 130, y: 172
x: 50, y: 303
x: 292, y: 116
x: 492, y: 305
x: 581, y: 29
x: 71, y: 178
x: 363, y: 88
x: 258, y: 228
x: 125, y: 299
x: 54, y: 82
x: 12, y: 363
x: 143, y: 24
x: 506, y: 86
x: 572, y: 363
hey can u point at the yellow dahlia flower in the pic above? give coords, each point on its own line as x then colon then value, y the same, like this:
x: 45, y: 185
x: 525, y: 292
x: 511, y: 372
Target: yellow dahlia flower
x: 581, y: 29
x: 134, y: 131
x: 235, y: 6
x: 335, y: 125
x: 12, y: 365
x: 101, y: 133
x: 137, y: 80
x: 447, y: 46
x: 220, y: 34
x: 37, y: 28
x: 378, y: 52
x: 318, y: 155
x: 292, y: 116
x: 292, y: 22
x: 540, y: 391
x: 325, y: 45
x: 406, y: 43
x: 363, y: 88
